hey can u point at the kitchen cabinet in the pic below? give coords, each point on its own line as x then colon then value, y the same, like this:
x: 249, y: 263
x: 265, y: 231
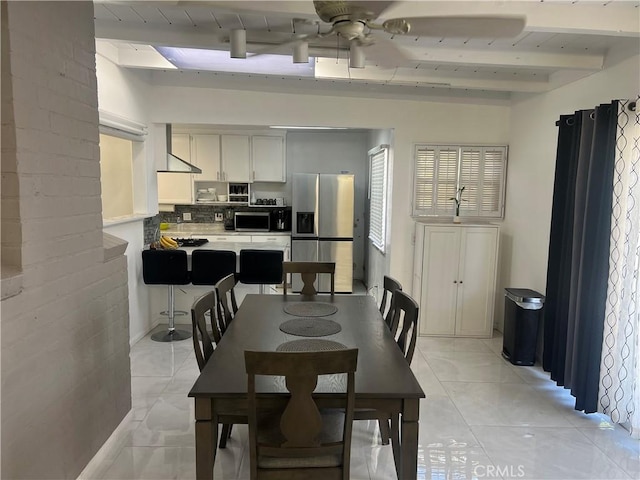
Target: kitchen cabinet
x: 455, y: 279
x: 177, y: 188
x: 268, y: 157
x: 205, y: 151
x: 235, y: 158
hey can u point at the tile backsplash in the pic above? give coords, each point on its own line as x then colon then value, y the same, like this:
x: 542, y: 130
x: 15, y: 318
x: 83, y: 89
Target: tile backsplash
x: 199, y: 214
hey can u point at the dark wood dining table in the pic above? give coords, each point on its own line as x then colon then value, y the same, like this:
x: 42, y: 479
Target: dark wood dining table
x: 384, y: 380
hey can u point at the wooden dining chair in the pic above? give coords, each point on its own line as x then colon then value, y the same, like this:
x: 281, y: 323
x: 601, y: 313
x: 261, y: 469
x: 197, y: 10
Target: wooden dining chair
x: 226, y: 306
x: 404, y: 323
x: 403, y: 316
x: 390, y: 285
x: 204, y: 343
x: 308, y: 272
x: 300, y: 441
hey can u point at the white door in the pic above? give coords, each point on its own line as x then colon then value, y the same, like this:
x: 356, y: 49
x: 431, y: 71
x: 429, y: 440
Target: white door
x: 267, y: 154
x: 236, y: 156
x: 476, y: 281
x: 206, y: 156
x: 439, y: 280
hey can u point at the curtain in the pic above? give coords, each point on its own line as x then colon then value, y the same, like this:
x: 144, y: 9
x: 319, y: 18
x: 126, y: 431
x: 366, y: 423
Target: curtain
x: 578, y: 265
x: 619, y: 389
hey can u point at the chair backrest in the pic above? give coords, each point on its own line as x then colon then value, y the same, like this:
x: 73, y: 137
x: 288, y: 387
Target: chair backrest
x: 226, y: 306
x: 301, y: 422
x: 203, y: 343
x: 165, y: 267
x: 390, y: 285
x: 308, y: 272
x: 260, y: 267
x: 208, y: 267
x: 404, y: 324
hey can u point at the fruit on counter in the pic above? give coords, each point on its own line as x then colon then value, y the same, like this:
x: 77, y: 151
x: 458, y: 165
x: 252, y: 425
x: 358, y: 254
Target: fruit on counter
x: 168, y: 242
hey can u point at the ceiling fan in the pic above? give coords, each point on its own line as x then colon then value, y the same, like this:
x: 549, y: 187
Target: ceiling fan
x: 356, y: 23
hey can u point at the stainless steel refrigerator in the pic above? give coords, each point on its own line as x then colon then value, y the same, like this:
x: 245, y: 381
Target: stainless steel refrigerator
x: 322, y: 226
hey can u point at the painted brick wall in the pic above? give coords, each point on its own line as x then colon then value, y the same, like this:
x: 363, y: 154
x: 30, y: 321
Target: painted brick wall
x: 65, y: 337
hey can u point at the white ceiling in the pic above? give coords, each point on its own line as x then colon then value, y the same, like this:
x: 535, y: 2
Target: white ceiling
x: 562, y: 42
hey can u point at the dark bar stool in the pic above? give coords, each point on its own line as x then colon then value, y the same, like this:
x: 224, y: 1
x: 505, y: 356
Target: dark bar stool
x: 261, y: 267
x: 208, y: 267
x: 167, y: 267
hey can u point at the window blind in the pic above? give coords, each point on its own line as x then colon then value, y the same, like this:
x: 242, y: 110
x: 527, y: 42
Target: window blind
x: 378, y: 164
x: 441, y: 170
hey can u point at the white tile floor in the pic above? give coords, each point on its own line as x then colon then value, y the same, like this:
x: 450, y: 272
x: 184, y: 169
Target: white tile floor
x: 482, y: 418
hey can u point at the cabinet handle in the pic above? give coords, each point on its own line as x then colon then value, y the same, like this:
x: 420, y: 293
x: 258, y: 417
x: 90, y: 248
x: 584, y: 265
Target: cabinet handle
x: 455, y: 281
x: 460, y: 281
x: 254, y: 175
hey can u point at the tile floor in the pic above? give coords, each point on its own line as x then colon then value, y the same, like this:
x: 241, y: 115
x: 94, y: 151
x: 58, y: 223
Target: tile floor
x: 482, y: 418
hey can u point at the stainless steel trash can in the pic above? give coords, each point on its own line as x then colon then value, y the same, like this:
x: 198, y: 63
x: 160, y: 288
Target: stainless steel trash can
x: 522, y: 315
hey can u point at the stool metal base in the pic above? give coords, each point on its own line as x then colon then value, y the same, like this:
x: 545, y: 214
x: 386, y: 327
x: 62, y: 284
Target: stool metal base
x: 166, y: 313
x: 170, y: 336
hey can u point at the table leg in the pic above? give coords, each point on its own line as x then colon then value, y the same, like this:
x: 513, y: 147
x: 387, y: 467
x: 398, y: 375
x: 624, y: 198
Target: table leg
x: 409, y: 441
x: 206, y: 438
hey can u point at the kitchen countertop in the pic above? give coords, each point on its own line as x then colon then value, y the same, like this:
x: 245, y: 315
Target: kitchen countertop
x: 193, y: 229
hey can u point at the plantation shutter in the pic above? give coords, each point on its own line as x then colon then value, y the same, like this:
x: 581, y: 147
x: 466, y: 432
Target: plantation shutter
x: 492, y: 182
x: 378, y: 160
x: 441, y: 170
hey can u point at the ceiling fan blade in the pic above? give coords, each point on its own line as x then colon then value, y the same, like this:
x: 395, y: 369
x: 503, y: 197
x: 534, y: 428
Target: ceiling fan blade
x: 464, y: 27
x: 386, y: 53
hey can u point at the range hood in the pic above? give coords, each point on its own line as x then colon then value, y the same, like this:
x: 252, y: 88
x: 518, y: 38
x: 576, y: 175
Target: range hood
x: 175, y: 164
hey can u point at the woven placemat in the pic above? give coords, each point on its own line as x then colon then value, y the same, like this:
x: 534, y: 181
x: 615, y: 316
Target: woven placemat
x: 310, y: 309
x: 310, y: 327
x: 310, y: 345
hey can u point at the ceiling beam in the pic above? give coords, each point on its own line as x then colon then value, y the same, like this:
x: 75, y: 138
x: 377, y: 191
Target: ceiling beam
x: 502, y: 58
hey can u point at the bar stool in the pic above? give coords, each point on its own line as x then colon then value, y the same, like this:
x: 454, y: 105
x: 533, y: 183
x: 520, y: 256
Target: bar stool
x: 208, y: 267
x: 167, y: 267
x: 261, y: 267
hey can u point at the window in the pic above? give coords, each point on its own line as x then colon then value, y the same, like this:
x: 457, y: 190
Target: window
x: 116, y: 175
x: 123, y: 168
x: 441, y: 170
x: 378, y: 167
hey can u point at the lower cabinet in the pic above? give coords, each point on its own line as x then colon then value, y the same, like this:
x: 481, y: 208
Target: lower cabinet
x: 455, y: 279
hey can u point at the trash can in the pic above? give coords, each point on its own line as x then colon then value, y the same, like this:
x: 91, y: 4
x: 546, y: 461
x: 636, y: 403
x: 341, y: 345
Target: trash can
x: 522, y: 314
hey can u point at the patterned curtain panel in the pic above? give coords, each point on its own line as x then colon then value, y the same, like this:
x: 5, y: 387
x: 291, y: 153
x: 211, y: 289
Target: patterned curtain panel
x: 619, y: 392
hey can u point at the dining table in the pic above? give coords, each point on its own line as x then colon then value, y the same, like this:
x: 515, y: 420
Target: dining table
x: 383, y: 380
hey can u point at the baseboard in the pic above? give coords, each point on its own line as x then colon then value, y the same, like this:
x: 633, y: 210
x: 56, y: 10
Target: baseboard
x: 91, y: 472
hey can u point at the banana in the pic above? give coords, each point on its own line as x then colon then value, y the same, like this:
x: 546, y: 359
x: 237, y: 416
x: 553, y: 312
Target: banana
x: 166, y: 244
x: 171, y: 241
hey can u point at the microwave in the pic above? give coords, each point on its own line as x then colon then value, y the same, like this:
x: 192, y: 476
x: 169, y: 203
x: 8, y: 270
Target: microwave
x: 252, y: 221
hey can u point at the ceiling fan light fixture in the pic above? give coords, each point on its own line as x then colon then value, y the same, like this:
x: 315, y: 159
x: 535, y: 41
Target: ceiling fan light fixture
x: 301, y: 52
x: 356, y: 55
x: 238, y: 40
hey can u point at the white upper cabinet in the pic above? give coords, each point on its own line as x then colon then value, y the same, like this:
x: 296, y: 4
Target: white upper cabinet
x: 267, y: 153
x: 455, y: 279
x: 236, y: 158
x: 206, y: 156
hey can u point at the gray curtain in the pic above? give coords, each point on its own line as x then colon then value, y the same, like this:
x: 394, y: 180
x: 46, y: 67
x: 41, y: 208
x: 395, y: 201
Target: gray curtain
x: 577, y: 270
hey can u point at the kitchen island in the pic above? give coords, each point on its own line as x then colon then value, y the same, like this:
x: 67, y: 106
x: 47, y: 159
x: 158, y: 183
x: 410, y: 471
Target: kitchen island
x: 218, y: 239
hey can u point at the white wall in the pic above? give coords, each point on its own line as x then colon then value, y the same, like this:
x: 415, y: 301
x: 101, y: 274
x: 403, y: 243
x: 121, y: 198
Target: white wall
x: 66, y: 381
x: 123, y: 92
x: 531, y: 170
x: 413, y: 121
x: 377, y: 262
